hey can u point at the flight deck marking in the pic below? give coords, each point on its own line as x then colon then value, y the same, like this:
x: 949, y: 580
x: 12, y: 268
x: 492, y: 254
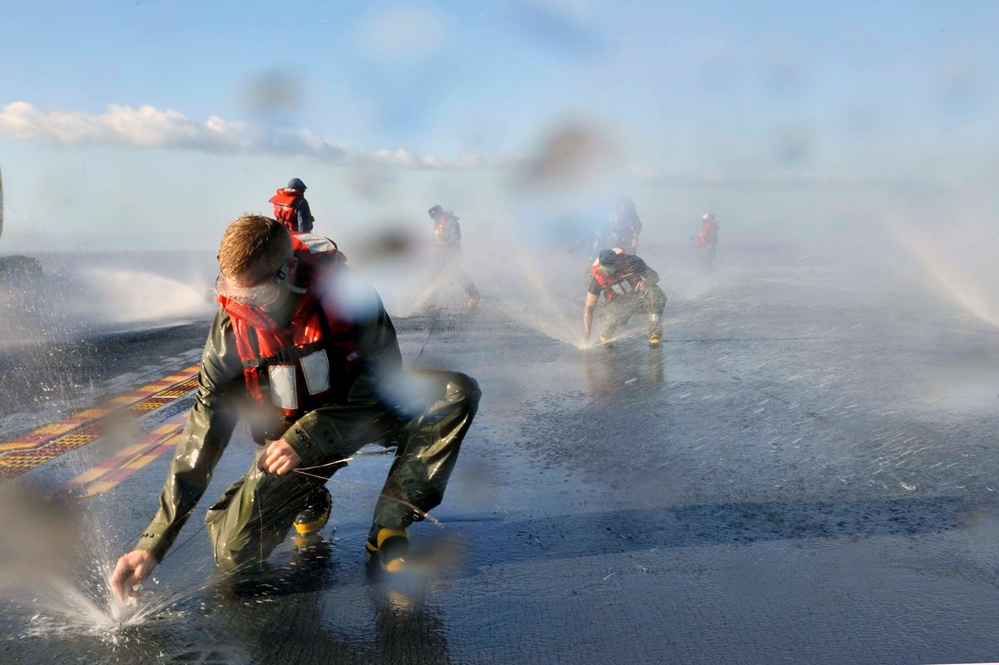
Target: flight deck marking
x: 120, y: 466
x: 26, y: 452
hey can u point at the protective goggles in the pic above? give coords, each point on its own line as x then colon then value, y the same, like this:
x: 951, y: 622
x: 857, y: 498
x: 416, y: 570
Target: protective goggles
x: 260, y: 295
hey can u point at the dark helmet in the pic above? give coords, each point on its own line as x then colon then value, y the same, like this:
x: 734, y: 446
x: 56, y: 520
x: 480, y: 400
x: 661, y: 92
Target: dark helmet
x: 297, y: 185
x: 436, y: 212
x: 609, y: 258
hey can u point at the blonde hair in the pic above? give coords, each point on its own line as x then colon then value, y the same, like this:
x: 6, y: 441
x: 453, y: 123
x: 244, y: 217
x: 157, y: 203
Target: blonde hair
x: 253, y: 242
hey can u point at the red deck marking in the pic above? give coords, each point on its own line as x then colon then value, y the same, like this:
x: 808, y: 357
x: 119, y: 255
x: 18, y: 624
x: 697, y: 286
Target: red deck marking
x: 48, y: 442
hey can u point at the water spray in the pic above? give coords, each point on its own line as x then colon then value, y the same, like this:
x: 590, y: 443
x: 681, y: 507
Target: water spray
x: 968, y: 293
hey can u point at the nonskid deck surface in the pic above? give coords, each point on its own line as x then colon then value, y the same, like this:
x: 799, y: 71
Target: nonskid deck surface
x: 799, y: 474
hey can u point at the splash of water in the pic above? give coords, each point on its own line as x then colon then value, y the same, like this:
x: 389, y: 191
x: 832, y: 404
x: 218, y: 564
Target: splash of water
x: 58, y: 566
x: 555, y: 322
x: 540, y: 305
x: 67, y: 606
x: 127, y: 297
x: 425, y: 296
x: 968, y: 293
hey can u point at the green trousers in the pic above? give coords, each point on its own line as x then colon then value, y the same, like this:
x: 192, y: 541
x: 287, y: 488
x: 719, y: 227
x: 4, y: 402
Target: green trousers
x: 651, y: 300
x: 257, y: 511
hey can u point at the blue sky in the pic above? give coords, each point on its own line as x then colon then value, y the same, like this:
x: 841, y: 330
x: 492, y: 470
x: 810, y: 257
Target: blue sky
x: 151, y: 124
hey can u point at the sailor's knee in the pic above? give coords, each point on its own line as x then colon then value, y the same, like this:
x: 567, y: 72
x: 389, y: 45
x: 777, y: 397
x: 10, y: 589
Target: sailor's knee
x: 463, y: 388
x: 232, y: 546
x: 227, y: 559
x: 226, y: 564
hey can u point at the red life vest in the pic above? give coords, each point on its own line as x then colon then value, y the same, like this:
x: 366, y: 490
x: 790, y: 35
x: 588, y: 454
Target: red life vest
x: 443, y: 235
x: 313, y: 361
x: 708, y: 231
x: 624, y: 281
x: 284, y: 207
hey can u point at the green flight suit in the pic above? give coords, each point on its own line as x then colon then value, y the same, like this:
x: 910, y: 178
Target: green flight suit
x: 425, y: 413
x: 650, y: 300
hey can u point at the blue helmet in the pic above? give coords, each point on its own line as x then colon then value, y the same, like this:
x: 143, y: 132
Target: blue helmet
x: 296, y: 184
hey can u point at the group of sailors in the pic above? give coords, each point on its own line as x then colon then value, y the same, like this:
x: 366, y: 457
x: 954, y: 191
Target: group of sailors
x: 629, y: 286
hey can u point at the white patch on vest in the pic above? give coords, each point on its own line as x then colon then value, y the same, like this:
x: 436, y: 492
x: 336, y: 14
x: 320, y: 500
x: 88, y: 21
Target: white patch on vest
x: 621, y: 287
x: 317, y: 244
x: 316, y: 367
x: 284, y: 392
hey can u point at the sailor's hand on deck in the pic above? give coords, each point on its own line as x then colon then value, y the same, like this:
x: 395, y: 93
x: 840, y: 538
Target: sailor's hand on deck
x: 279, y: 458
x: 132, y: 569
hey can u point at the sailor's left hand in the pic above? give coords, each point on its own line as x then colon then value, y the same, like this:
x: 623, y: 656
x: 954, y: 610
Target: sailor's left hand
x: 279, y: 458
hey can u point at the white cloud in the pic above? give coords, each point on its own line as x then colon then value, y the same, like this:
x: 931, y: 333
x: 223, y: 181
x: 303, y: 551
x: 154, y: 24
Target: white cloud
x: 149, y: 127
x: 568, y: 155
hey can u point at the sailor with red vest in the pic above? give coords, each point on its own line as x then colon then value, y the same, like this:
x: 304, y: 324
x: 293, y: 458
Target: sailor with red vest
x: 291, y: 208
x: 708, y: 237
x: 629, y: 286
x: 312, y: 363
x: 446, y: 234
x: 707, y: 240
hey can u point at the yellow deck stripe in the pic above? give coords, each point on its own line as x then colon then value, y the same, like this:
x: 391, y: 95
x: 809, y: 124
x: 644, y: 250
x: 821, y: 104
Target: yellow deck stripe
x: 53, y: 439
x: 140, y: 461
x: 126, y: 456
